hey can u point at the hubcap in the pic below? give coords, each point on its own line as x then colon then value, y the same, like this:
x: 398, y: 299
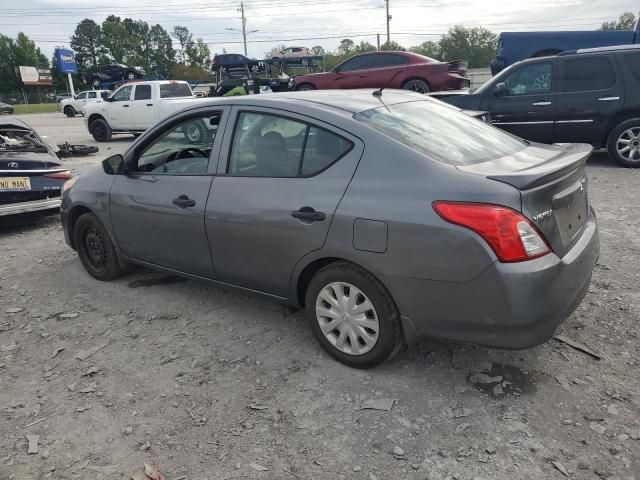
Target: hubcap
x: 628, y: 144
x: 95, y: 247
x: 347, y: 318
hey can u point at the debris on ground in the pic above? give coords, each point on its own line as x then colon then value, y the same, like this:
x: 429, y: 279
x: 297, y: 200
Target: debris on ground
x: 84, y: 354
x: 258, y: 468
x: 384, y: 404
x: 577, y: 345
x: 563, y: 381
x: 57, y: 351
x: 483, y: 379
x: 398, y: 453
x: 105, y: 470
x: 33, y: 443
x: 147, y: 472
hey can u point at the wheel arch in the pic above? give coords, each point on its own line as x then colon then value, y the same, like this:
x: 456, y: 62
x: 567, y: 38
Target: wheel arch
x: 617, y: 119
x: 93, y: 117
x: 72, y: 218
x: 67, y: 107
x: 306, y: 83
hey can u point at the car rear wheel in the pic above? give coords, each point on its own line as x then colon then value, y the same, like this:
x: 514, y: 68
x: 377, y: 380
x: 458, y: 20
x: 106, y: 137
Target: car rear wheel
x: 304, y: 87
x: 624, y: 143
x: 95, y: 248
x: 69, y: 111
x: 131, y: 75
x: 353, y: 316
x: 100, y: 130
x: 417, y: 85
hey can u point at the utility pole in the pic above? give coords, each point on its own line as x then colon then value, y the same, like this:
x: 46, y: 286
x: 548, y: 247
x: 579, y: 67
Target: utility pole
x: 244, y: 25
x: 388, y: 20
x: 378, y: 40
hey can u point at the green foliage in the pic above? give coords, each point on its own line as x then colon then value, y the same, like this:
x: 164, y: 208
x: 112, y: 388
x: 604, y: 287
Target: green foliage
x: 476, y: 45
x: 626, y: 21
x: 14, y: 53
x: 429, y: 49
x: 179, y: 71
x: 87, y: 44
x: 392, y: 47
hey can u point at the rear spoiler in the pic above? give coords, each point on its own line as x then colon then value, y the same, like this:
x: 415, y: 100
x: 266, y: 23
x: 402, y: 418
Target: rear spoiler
x: 459, y: 66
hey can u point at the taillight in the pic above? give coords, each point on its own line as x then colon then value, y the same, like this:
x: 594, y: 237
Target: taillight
x: 512, y: 236
x: 64, y: 175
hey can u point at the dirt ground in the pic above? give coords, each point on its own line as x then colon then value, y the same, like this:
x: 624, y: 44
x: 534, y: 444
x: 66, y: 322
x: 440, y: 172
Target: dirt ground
x: 209, y: 383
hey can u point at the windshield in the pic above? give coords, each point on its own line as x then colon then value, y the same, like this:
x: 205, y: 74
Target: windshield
x: 441, y: 132
x: 12, y: 139
x: 173, y: 90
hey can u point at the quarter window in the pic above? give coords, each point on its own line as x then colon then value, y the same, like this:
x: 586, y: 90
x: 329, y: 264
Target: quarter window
x: 633, y: 62
x: 530, y: 79
x: 589, y: 73
x: 272, y: 146
x: 182, y: 150
x: 123, y: 94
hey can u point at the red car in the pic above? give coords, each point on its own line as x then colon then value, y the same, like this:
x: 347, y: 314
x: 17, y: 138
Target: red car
x: 405, y: 70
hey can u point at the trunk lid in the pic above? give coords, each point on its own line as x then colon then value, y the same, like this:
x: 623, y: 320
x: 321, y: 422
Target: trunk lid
x: 27, y: 163
x: 553, y: 187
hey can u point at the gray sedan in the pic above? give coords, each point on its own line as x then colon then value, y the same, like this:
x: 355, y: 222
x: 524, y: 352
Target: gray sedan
x: 388, y: 217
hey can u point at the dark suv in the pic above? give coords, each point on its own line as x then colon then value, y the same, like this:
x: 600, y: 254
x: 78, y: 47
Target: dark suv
x: 584, y: 96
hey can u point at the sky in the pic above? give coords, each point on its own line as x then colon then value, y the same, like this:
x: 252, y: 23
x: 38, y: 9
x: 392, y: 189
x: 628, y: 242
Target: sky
x: 50, y: 23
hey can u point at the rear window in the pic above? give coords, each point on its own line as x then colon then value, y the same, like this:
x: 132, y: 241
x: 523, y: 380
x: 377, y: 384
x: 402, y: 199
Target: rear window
x: 633, y: 62
x: 441, y: 132
x: 172, y: 90
x: 589, y: 73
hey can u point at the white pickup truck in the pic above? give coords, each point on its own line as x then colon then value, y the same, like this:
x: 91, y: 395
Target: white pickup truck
x: 74, y: 105
x: 134, y: 107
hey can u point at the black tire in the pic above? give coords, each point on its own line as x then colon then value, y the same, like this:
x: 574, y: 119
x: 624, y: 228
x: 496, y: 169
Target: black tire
x: 131, y: 75
x: 195, y: 132
x: 95, y: 248
x: 69, y: 111
x: 617, y: 140
x: 100, y: 130
x: 390, y: 336
x: 416, y: 85
x: 304, y: 87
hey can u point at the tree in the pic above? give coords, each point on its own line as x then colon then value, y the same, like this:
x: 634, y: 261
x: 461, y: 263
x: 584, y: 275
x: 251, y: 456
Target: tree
x: 392, y: 46
x: 161, y: 52
x: 179, y: 71
x: 185, y: 39
x: 318, y: 50
x: 346, y: 46
x: 198, y: 54
x: 429, y: 49
x: 364, y: 47
x: 626, y: 21
x: 87, y: 44
x: 115, y: 38
x: 476, y: 45
x: 14, y: 53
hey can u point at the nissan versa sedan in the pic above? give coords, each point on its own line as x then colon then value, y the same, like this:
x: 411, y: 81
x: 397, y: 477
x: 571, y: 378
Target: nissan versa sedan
x: 386, y: 215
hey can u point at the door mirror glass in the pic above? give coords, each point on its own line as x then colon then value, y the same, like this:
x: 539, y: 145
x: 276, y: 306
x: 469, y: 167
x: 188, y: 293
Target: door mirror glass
x: 113, y: 165
x: 501, y: 90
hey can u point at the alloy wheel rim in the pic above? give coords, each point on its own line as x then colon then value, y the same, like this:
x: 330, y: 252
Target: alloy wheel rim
x: 193, y: 133
x: 628, y: 144
x: 347, y: 318
x: 95, y: 248
x: 415, y: 86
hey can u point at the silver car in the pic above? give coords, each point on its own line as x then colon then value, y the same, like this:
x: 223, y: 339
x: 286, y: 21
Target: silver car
x: 388, y: 216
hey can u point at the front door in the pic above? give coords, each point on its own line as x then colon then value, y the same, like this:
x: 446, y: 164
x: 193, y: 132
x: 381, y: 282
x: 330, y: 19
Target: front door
x: 142, y: 108
x: 591, y: 92
x: 353, y: 73
x: 273, y: 201
x: 119, y: 112
x: 157, y: 207
x: 526, y: 107
x: 385, y: 68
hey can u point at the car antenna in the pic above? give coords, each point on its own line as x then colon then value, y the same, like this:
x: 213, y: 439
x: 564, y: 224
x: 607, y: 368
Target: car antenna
x: 378, y: 93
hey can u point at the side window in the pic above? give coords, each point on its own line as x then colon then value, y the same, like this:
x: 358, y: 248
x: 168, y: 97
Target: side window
x: 92, y: 95
x: 142, y: 92
x: 361, y: 62
x: 382, y: 60
x: 123, y: 94
x: 267, y: 145
x: 633, y: 62
x: 588, y: 73
x: 82, y: 96
x: 184, y: 149
x: 530, y: 79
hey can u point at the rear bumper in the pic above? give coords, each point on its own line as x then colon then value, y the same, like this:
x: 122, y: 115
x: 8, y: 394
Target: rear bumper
x: 26, y: 207
x: 509, y: 305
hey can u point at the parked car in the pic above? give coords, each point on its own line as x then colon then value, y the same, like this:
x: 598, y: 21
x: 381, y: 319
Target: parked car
x: 405, y: 70
x: 115, y: 72
x: 235, y: 64
x: 135, y: 107
x: 31, y: 175
x: 516, y: 46
x: 585, y: 96
x: 6, y: 108
x: 290, y: 53
x: 387, y: 216
x: 74, y: 105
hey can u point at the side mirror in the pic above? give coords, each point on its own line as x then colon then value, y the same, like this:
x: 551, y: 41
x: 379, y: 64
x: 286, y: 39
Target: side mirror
x: 500, y: 90
x: 113, y: 165
x: 108, y: 99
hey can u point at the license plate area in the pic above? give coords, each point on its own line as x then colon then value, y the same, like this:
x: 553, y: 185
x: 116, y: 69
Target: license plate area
x: 570, y: 209
x: 12, y: 184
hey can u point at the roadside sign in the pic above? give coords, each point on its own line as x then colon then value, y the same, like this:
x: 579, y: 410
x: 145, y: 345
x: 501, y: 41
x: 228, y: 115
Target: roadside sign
x: 66, y: 60
x: 35, y: 76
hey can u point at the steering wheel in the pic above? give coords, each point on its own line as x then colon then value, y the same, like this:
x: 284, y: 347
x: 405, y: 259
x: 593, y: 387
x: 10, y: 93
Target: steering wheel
x: 189, y: 150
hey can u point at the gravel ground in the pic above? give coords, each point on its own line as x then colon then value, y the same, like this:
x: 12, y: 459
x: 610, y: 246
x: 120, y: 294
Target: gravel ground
x: 210, y: 383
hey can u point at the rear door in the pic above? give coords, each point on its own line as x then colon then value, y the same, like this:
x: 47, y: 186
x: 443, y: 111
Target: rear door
x: 384, y: 67
x: 272, y: 202
x: 591, y: 91
x: 528, y: 107
x: 142, y: 107
x: 353, y: 73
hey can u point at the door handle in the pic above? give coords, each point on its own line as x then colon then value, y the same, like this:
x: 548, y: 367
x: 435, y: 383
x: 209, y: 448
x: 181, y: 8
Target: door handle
x: 542, y: 103
x: 183, y: 201
x: 308, y: 214
x: 126, y: 106
x: 149, y: 104
x: 608, y: 99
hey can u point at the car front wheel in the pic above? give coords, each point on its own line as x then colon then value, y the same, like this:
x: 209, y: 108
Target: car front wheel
x: 624, y: 143
x: 305, y: 87
x: 100, y: 130
x: 95, y: 248
x: 353, y: 316
x: 69, y: 112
